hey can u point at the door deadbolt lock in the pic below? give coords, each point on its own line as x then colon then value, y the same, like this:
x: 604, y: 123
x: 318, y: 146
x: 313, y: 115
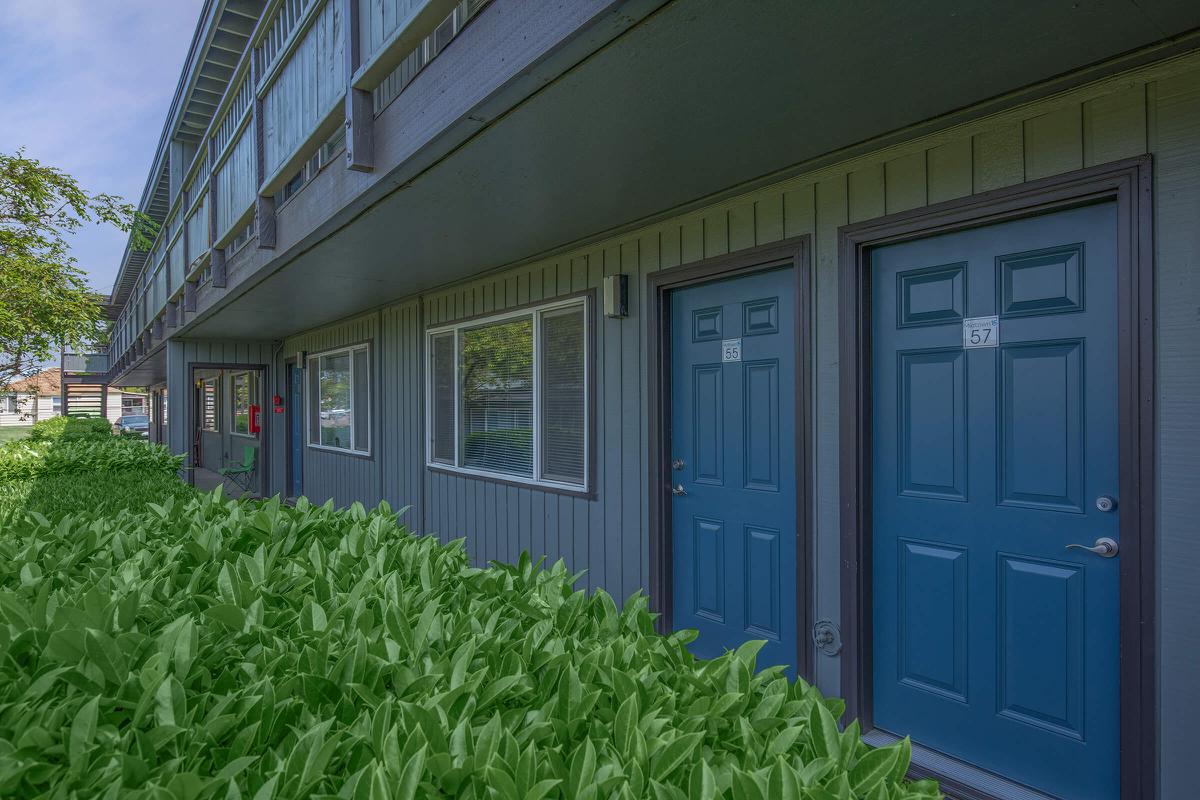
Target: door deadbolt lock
x: 1105, y: 503
x: 677, y: 464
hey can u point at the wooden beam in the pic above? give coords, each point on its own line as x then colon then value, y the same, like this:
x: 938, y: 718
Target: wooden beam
x: 264, y: 207
x: 189, y: 295
x: 360, y: 112
x: 219, y: 273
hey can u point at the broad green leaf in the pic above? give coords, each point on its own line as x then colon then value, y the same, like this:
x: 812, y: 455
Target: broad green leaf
x: 83, y: 730
x: 873, y: 768
x: 674, y: 754
x: 823, y: 729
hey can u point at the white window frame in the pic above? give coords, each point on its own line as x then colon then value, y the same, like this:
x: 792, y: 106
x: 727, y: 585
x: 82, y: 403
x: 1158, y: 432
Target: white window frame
x: 313, y: 363
x: 536, y: 312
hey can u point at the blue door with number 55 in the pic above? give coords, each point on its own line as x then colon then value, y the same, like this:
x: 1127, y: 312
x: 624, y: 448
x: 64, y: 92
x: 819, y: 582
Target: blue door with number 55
x: 732, y: 441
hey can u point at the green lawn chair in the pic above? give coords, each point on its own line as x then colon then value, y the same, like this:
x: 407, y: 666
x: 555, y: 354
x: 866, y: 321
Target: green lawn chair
x: 241, y: 475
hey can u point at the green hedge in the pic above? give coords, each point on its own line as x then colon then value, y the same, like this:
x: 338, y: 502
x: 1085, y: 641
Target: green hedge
x: 27, y: 459
x: 71, y: 428
x: 93, y: 493
x: 215, y: 649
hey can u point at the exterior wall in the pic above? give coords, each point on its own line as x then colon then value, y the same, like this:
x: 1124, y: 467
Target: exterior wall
x: 1154, y: 110
x: 31, y: 408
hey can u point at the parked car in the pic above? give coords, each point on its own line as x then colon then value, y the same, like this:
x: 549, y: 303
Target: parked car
x: 132, y: 423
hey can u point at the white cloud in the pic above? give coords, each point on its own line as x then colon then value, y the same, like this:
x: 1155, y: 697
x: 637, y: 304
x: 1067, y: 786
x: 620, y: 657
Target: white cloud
x: 85, y: 85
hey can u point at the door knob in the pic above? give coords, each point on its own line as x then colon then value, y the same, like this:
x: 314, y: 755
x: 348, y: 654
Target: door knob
x: 678, y: 490
x: 1104, y: 547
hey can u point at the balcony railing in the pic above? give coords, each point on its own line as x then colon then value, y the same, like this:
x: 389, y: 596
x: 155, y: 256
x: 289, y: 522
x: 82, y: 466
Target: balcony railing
x: 85, y: 363
x: 288, y: 91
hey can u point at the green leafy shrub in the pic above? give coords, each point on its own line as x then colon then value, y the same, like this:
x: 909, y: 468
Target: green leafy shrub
x: 71, y: 428
x: 214, y: 649
x: 96, y: 493
x: 27, y: 459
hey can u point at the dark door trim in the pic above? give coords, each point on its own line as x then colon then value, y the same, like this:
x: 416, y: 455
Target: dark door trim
x: 292, y: 407
x: 1129, y: 183
x: 264, y: 441
x: 792, y: 252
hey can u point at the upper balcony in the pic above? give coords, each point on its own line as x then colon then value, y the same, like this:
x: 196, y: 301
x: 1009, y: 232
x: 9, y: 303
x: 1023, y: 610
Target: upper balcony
x: 304, y: 75
x: 85, y: 367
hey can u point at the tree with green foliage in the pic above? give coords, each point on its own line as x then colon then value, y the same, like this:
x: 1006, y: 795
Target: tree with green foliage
x: 45, y: 302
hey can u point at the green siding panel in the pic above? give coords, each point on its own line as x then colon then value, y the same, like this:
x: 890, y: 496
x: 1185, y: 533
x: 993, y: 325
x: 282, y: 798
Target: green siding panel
x: 1054, y: 143
x: 949, y: 170
x: 998, y: 157
x: 904, y: 182
x: 1114, y: 126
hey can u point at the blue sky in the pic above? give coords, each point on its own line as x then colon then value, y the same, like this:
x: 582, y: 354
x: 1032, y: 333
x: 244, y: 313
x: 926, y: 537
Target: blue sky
x: 85, y: 86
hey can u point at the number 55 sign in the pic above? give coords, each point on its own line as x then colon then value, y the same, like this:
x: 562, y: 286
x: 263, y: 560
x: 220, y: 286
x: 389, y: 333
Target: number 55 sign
x: 981, y: 332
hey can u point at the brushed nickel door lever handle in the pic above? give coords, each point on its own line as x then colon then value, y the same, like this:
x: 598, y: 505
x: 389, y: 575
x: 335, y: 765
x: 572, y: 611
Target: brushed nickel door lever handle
x: 1104, y: 547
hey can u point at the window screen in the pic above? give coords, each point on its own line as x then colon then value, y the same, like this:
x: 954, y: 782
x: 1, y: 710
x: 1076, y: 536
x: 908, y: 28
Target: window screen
x: 497, y: 397
x: 442, y: 398
x: 361, y: 396
x: 339, y: 399
x: 509, y: 397
x: 210, y: 406
x: 563, y: 395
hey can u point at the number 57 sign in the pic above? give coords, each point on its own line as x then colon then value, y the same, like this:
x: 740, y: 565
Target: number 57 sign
x: 981, y: 332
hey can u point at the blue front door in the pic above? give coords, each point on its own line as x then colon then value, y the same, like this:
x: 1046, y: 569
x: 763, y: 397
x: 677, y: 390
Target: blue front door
x: 732, y: 437
x: 994, y: 447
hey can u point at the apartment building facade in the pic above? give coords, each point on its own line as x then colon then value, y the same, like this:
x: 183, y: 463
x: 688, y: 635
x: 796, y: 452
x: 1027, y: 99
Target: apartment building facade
x: 868, y: 331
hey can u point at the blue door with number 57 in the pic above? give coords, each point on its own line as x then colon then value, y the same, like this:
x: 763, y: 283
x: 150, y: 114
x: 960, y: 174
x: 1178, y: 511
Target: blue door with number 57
x: 994, y: 465
x: 733, y: 472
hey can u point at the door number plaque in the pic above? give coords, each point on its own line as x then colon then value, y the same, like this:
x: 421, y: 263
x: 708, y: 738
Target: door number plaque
x: 981, y: 332
x: 731, y: 350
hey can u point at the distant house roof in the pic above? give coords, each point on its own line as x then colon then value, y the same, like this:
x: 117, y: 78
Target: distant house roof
x: 45, y: 382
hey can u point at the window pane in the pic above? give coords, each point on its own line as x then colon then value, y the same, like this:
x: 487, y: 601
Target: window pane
x: 442, y: 424
x: 361, y: 397
x: 335, y: 400
x: 562, y: 402
x: 314, y: 391
x: 241, y: 403
x: 497, y: 397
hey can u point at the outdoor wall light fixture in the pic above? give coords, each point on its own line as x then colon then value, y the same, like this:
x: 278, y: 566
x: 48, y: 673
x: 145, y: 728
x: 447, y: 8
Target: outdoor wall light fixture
x: 616, y: 296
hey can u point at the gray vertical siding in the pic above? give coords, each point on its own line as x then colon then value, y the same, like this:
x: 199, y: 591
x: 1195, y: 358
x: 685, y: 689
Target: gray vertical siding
x: 1153, y: 110
x: 399, y: 417
x: 330, y: 475
x: 1174, y: 122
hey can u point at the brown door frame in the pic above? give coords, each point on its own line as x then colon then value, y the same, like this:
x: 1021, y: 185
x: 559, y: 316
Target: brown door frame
x: 794, y: 253
x: 1129, y: 183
